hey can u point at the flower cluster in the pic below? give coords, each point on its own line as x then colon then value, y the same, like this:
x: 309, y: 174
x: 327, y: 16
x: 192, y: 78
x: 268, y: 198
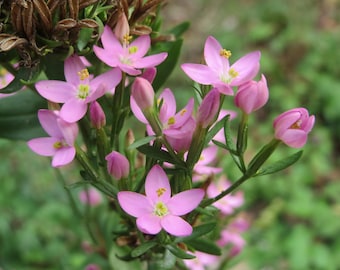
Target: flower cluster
x: 170, y: 193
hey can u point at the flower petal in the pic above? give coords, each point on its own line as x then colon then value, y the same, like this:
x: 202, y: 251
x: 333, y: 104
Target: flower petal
x: 176, y: 226
x: 56, y: 91
x: 73, y: 110
x: 150, y: 61
x: 106, y: 56
x: 168, y: 108
x: 214, y: 60
x: 137, y: 111
x: 69, y: 131
x: 185, y: 201
x: 200, y: 73
x: 247, y: 67
x: 48, y: 121
x: 157, y: 186
x: 133, y: 203
x: 149, y: 224
x: 109, y: 80
x: 142, y: 43
x: 63, y: 156
x: 43, y: 146
x: 72, y: 66
x: 110, y: 41
x: 295, y: 138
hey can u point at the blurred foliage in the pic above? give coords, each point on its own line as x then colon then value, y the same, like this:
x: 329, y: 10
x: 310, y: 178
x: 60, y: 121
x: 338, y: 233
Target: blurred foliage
x: 295, y: 214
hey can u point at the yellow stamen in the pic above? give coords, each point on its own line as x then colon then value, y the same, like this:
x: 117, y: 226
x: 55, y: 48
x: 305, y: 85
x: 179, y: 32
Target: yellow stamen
x: 160, y: 209
x: 233, y: 73
x: 225, y: 53
x: 126, y: 39
x: 183, y: 112
x: 133, y: 49
x: 296, y: 125
x: 171, y: 120
x: 57, y: 145
x: 160, y: 191
x: 83, y: 74
x: 83, y: 91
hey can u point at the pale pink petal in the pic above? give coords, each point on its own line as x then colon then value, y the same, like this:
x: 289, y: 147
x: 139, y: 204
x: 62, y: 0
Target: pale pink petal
x: 73, y: 110
x: 110, y: 41
x: 133, y: 203
x: 96, y: 93
x: 285, y: 121
x: 295, y: 138
x: 176, y: 226
x: 142, y: 43
x: 56, y: 91
x: 48, y: 121
x: 149, y: 74
x: 72, y: 66
x: 168, y: 108
x: 224, y: 88
x: 137, y: 111
x: 109, y: 80
x: 185, y: 201
x: 200, y: 73
x: 208, y: 154
x: 183, y: 115
x: 149, y: 224
x: 69, y: 131
x: 63, y: 156
x: 212, y: 55
x: 150, y: 61
x: 308, y: 125
x: 108, y: 57
x: 247, y: 67
x: 157, y: 185
x: 129, y: 69
x: 43, y: 146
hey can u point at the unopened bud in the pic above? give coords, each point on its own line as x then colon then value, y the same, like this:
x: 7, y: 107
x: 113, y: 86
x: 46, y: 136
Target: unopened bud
x: 117, y: 165
x: 97, y: 115
x: 143, y: 93
x: 208, y: 109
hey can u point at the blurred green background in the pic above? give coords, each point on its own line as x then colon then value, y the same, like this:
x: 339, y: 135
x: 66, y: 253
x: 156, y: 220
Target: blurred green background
x: 295, y: 215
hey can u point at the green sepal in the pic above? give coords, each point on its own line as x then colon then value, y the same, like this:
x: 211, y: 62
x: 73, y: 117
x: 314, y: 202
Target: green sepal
x: 280, y: 165
x: 141, y: 142
x: 178, y: 252
x: 142, y: 249
x: 216, y: 128
x: 198, y: 231
x: 204, y: 245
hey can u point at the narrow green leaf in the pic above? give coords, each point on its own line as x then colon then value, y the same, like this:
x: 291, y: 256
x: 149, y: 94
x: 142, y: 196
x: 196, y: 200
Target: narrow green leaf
x: 180, y: 253
x: 281, y: 164
x: 216, y: 128
x: 143, y: 248
x: 204, y: 245
x: 85, y: 35
x: 179, y: 29
x: 157, y: 154
x: 141, y: 142
x: 23, y: 75
x: 228, y: 136
x: 198, y: 231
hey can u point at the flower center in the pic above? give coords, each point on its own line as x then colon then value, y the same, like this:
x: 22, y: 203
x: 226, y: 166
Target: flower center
x: 133, y: 49
x: 58, y: 145
x: 232, y: 73
x: 83, y: 74
x: 83, y: 91
x: 296, y: 125
x: 225, y: 53
x: 160, y: 209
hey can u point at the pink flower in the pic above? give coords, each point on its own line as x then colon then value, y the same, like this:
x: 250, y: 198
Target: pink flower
x: 79, y: 89
x: 61, y: 140
x: 228, y: 203
x: 92, y: 266
x: 201, y: 261
x: 158, y: 210
x: 208, y: 109
x: 117, y: 165
x: 292, y: 127
x: 202, y: 167
x: 91, y: 196
x: 128, y: 57
x: 142, y: 93
x: 252, y: 95
x: 218, y: 72
x: 97, y: 115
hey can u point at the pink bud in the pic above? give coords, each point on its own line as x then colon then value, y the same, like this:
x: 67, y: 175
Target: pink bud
x: 149, y: 74
x: 97, y: 115
x: 117, y: 165
x: 252, y: 95
x: 90, y: 196
x: 122, y: 28
x: 292, y: 127
x: 92, y: 266
x: 143, y: 93
x: 208, y: 109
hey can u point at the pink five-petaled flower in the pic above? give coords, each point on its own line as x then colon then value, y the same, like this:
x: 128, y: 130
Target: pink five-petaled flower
x: 60, y: 144
x: 218, y: 71
x: 158, y: 209
x: 292, y: 127
x: 128, y: 57
x: 252, y: 95
x: 79, y: 89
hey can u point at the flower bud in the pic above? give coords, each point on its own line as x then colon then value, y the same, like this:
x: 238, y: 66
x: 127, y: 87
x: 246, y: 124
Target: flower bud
x: 208, y: 109
x: 149, y: 74
x: 117, y: 165
x: 252, y: 95
x: 292, y: 127
x: 122, y: 29
x: 90, y: 196
x: 143, y: 93
x: 97, y: 115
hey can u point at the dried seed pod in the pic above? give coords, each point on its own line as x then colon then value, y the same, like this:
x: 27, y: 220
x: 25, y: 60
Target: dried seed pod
x: 88, y: 23
x: 45, y: 15
x: 16, y: 17
x: 9, y: 42
x: 65, y: 24
x: 27, y: 20
x: 73, y: 8
x: 140, y: 30
x: 86, y: 3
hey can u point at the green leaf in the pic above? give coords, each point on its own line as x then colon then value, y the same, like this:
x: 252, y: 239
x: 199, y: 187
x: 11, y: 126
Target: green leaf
x: 18, y: 116
x: 143, y: 248
x: 85, y: 35
x: 141, y: 142
x: 157, y: 154
x: 228, y: 136
x: 216, y: 128
x: 204, y: 245
x: 179, y: 29
x: 180, y: 253
x: 280, y: 165
x: 198, y: 231
x: 164, y: 70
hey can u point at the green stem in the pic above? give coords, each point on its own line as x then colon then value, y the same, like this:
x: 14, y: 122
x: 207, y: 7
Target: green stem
x: 84, y: 161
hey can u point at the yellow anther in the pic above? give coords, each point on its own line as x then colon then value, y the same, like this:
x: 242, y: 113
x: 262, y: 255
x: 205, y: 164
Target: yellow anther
x: 160, y: 209
x: 171, y: 120
x: 225, y: 53
x: 83, y: 91
x: 57, y: 145
x: 296, y: 125
x: 83, y: 74
x: 160, y: 191
x: 133, y: 49
x: 233, y: 73
x: 183, y: 112
x: 127, y: 38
